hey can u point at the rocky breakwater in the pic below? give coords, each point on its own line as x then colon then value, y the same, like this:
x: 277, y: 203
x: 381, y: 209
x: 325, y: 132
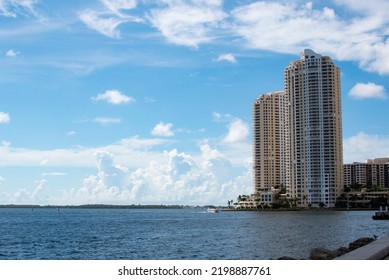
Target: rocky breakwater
x: 321, y: 253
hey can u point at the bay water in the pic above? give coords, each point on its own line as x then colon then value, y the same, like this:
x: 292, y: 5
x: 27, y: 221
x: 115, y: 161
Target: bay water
x: 176, y: 234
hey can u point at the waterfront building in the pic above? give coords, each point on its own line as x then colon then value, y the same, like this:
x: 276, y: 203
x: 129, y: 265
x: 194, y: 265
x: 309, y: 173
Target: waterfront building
x: 270, y: 150
x: 312, y: 87
x: 373, y: 172
x: 297, y: 134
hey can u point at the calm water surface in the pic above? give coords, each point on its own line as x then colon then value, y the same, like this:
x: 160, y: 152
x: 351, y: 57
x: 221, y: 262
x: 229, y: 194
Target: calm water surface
x: 177, y: 233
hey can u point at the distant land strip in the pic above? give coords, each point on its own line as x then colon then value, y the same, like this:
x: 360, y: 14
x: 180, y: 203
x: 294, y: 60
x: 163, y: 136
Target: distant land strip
x: 95, y: 206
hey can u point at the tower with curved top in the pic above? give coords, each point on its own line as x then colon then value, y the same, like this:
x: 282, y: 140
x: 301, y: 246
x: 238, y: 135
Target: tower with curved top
x: 312, y: 88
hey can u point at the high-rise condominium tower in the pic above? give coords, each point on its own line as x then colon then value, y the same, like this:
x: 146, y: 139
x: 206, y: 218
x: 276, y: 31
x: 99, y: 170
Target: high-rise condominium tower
x: 312, y: 90
x: 298, y: 134
x: 270, y: 141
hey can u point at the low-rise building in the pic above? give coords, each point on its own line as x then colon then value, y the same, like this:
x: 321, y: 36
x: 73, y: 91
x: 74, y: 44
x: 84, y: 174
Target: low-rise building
x: 373, y: 172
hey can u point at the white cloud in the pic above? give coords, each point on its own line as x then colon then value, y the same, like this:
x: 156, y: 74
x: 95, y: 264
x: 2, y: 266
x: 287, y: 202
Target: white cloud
x: 362, y: 146
x: 21, y: 196
x: 288, y: 28
x: 227, y: 57
x: 4, y: 118
x: 1, y: 179
x: 107, y: 121
x: 116, y: 6
x: 179, y: 179
x: 188, y: 23
x: 115, y: 97
x: 106, y: 21
x: 24, y: 196
x: 283, y: 27
x: 13, y: 8
x: 344, y: 29
x: 163, y: 129
x: 104, y: 25
x: 124, y: 150
x: 11, y: 53
x: 238, y: 131
x: 71, y: 133
x: 368, y: 91
x: 38, y: 194
x: 130, y: 171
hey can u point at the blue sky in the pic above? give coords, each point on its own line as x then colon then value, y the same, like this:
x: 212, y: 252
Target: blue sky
x: 144, y: 101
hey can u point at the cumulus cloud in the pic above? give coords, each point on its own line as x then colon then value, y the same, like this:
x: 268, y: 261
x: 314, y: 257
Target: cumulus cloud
x: 368, y: 91
x: 179, y: 179
x: 163, y: 129
x: 359, y: 147
x: 188, y: 23
x: 24, y: 196
x: 4, y: 118
x: 131, y: 172
x: 238, y: 131
x: 114, y: 97
x: 11, y: 53
x: 227, y: 57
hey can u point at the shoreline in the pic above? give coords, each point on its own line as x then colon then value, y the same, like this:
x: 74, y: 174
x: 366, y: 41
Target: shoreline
x: 299, y: 209
x: 154, y: 206
x: 93, y: 206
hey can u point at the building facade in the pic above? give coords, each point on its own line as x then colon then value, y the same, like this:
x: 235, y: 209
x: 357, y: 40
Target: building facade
x: 270, y: 152
x: 373, y: 172
x: 312, y: 87
x: 298, y: 134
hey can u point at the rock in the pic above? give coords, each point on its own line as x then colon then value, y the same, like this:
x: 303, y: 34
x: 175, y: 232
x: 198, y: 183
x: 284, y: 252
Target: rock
x: 285, y: 258
x: 340, y: 251
x: 359, y: 243
x: 321, y: 254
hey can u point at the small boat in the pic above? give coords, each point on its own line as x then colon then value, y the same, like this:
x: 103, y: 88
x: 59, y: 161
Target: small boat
x: 212, y: 210
x: 381, y: 215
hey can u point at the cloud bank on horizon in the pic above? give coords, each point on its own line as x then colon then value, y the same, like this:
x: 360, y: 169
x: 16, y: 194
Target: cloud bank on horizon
x: 147, y: 97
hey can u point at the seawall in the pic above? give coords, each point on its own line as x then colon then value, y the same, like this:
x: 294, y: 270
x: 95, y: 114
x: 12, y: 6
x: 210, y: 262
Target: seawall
x: 376, y: 250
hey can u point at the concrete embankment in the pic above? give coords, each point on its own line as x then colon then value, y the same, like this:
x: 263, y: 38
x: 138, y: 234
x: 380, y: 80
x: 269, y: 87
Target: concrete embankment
x: 364, y: 248
x: 376, y: 250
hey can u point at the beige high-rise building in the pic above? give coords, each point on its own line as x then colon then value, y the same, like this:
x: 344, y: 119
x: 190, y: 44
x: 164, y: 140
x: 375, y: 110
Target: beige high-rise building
x: 312, y: 87
x: 269, y: 142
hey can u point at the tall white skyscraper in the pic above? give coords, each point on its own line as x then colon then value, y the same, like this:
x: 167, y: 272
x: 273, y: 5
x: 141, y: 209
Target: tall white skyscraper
x: 312, y: 86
